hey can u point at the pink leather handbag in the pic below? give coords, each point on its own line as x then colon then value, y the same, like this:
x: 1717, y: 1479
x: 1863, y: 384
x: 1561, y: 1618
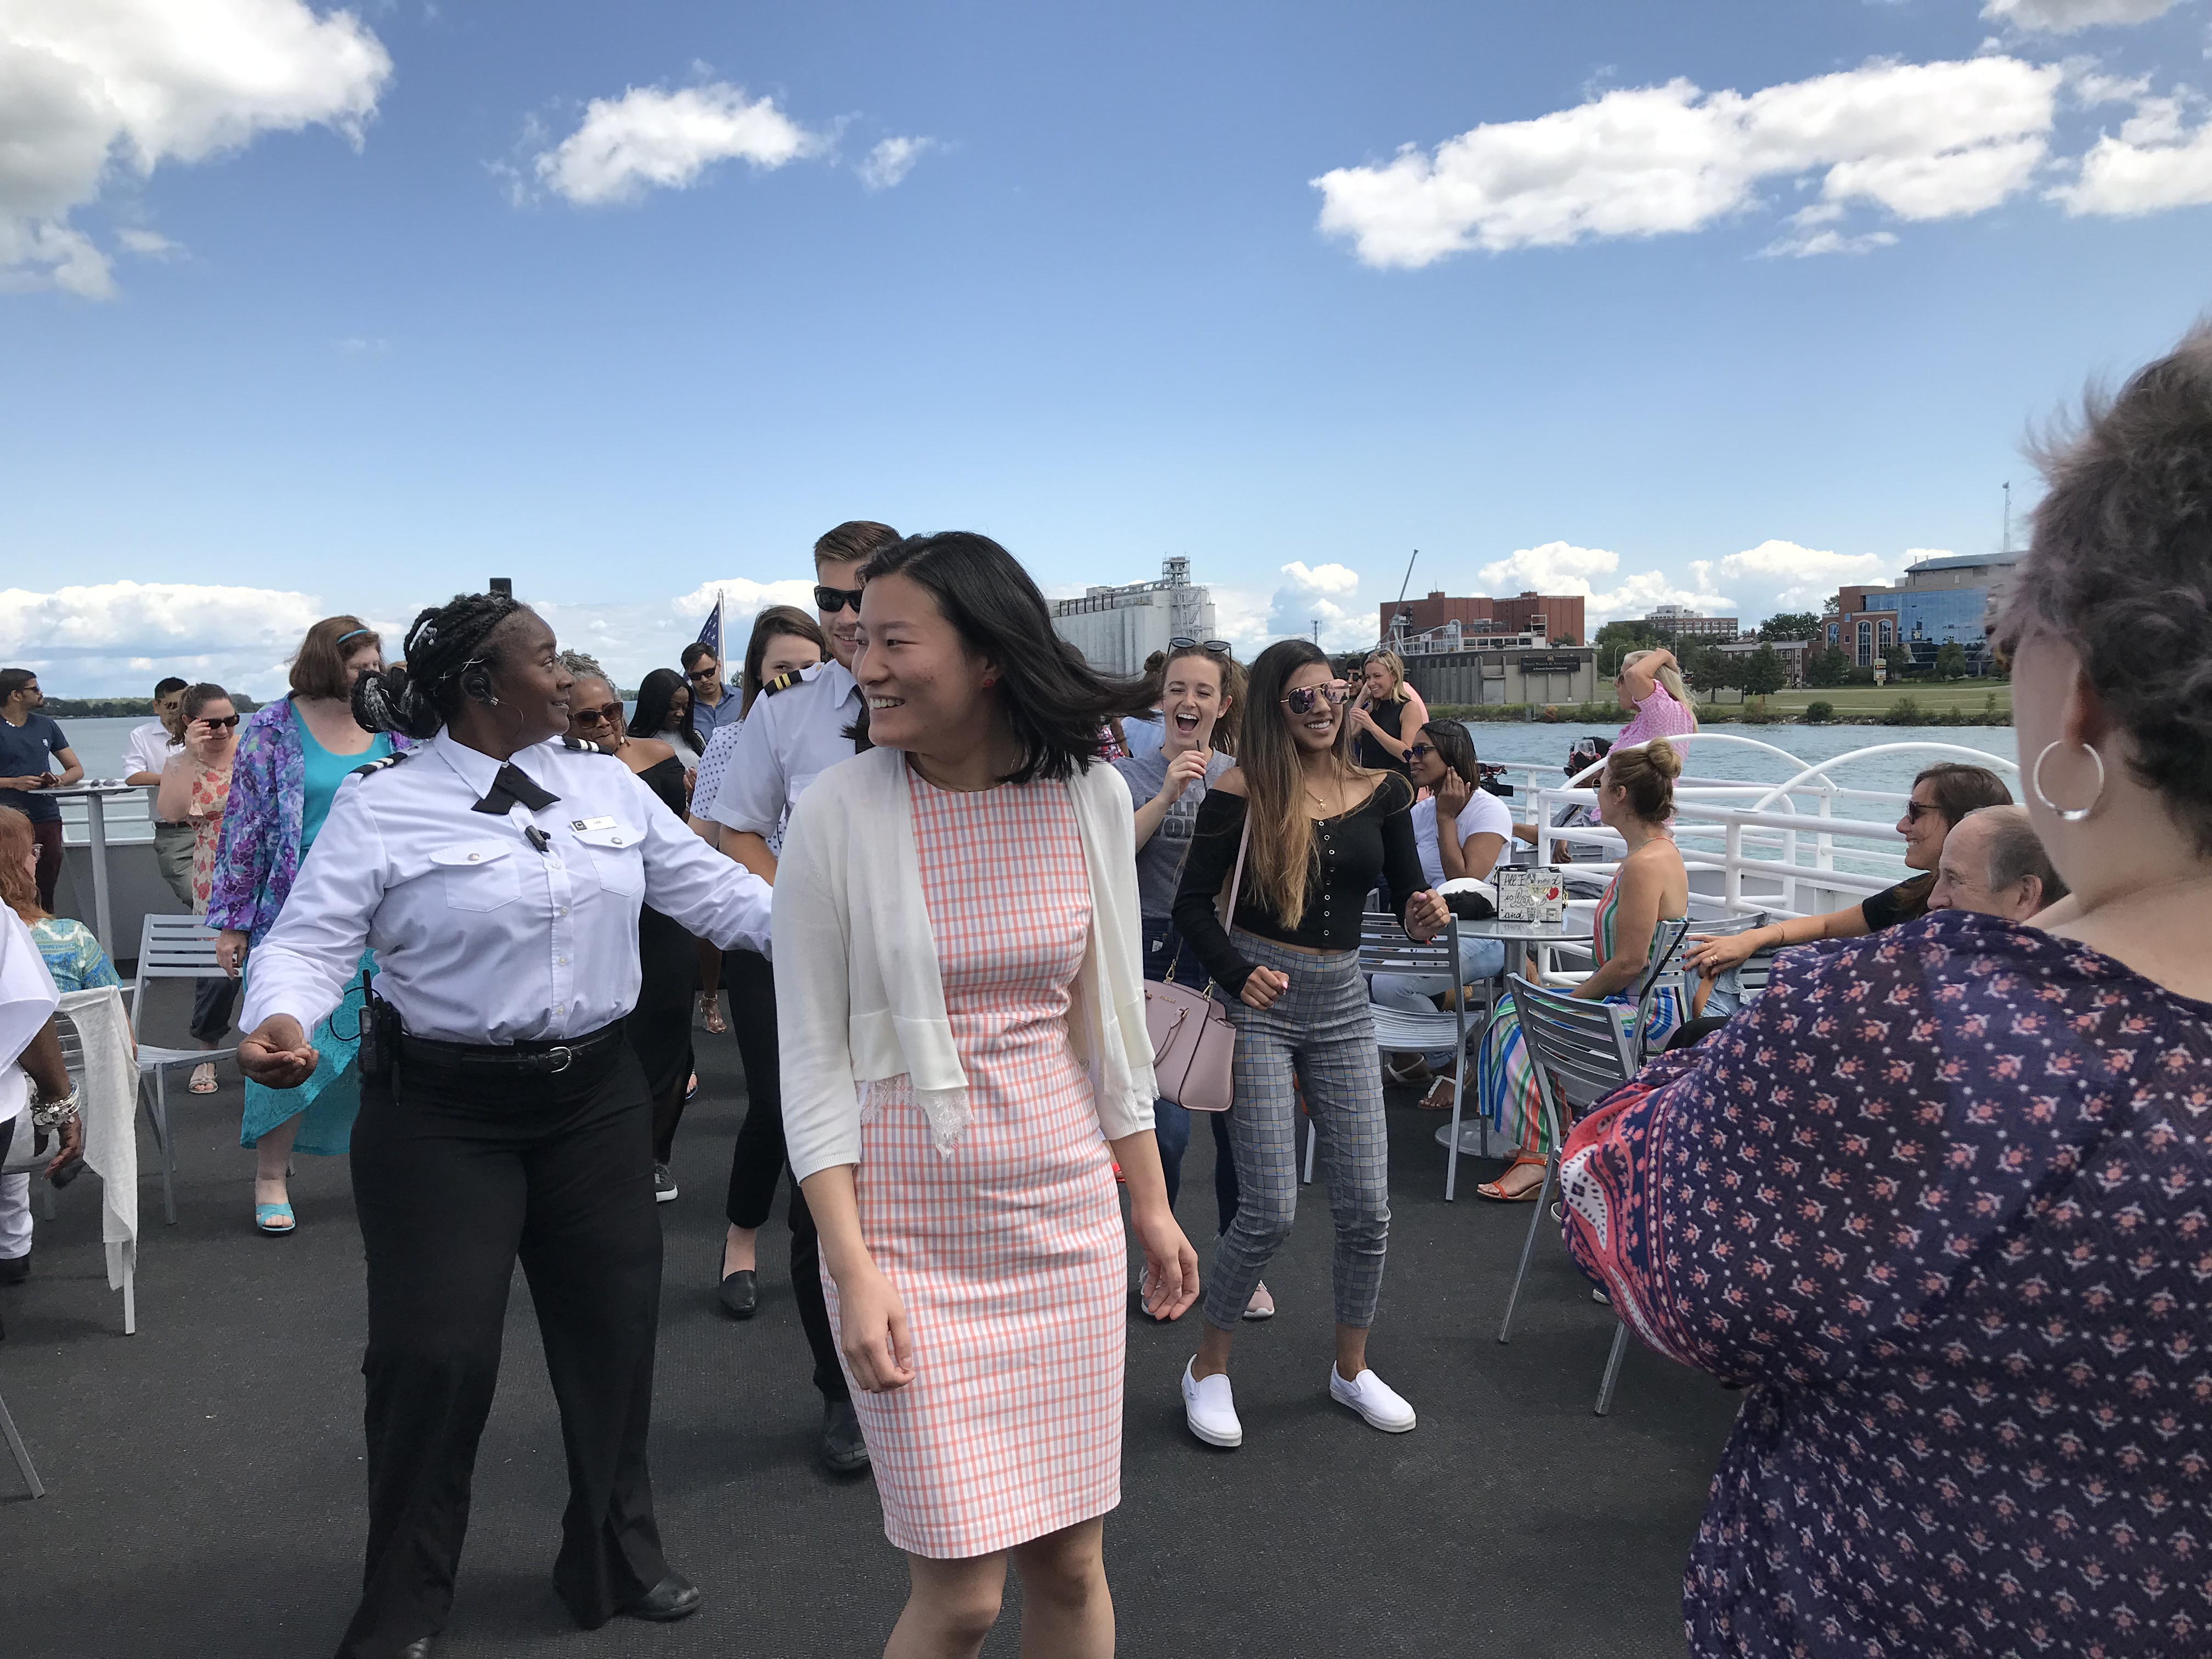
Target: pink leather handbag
x: 1194, y: 1044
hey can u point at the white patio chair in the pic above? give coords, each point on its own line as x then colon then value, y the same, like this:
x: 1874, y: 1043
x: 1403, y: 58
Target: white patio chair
x: 1384, y: 948
x: 21, y: 1453
x: 1581, y: 1050
x: 170, y: 947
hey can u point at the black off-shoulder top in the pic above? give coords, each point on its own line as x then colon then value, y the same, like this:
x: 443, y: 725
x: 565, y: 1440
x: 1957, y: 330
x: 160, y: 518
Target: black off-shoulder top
x: 1375, y: 838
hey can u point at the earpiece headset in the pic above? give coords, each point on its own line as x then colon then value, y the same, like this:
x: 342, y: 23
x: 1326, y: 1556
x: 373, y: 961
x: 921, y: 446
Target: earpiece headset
x: 475, y: 681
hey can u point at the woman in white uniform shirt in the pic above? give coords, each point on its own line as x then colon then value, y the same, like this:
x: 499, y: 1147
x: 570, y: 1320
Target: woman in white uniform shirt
x: 1443, y: 764
x: 497, y: 870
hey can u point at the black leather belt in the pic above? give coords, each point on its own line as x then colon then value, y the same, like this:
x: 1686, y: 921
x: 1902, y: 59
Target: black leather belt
x: 527, y: 1059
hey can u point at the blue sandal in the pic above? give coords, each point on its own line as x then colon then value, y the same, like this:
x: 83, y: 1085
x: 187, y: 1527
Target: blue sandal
x: 274, y: 1219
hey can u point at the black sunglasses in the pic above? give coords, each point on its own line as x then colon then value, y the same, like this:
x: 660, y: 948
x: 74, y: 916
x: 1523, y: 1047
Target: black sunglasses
x: 834, y: 599
x: 706, y: 673
x: 1184, y: 642
x: 1420, y: 749
x: 223, y: 725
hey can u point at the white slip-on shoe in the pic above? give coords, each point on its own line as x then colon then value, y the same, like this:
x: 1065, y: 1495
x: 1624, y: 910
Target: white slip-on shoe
x: 1373, y: 1398
x: 1210, y: 1407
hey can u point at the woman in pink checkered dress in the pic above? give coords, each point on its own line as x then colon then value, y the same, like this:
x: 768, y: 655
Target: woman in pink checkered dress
x: 960, y: 1000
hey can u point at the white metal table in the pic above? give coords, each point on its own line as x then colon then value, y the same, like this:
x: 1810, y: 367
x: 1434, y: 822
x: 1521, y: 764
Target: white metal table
x: 1475, y: 1129
x: 95, y: 793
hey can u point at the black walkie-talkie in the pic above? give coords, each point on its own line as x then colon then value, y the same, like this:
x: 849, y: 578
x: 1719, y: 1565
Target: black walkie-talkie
x: 379, y: 1030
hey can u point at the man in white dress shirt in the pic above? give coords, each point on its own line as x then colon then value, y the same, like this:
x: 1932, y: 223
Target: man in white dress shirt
x: 497, y: 870
x: 145, y: 752
x: 796, y: 732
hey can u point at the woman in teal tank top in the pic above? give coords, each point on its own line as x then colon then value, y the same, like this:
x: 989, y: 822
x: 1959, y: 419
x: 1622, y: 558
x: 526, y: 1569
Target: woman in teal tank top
x: 1636, y: 796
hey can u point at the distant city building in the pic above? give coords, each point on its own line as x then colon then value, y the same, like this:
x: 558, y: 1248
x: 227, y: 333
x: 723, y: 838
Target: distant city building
x: 1793, y: 653
x: 1545, y: 616
x: 1937, y: 601
x: 1681, y: 623
x: 1563, y: 674
x: 1115, y: 628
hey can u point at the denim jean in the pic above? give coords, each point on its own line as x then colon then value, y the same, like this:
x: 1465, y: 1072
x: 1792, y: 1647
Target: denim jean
x: 1479, y: 959
x: 1171, y: 1122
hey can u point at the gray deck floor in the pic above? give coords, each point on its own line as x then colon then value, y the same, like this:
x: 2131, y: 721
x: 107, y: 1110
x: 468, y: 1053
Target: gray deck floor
x: 205, y: 1475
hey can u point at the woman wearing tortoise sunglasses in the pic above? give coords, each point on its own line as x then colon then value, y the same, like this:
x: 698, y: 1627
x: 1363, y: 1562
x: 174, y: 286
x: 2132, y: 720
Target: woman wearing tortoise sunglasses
x: 660, y: 1027
x: 1312, y: 830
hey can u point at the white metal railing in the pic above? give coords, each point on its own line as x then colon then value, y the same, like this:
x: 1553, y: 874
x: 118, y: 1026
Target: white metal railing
x: 129, y: 818
x: 1782, y: 838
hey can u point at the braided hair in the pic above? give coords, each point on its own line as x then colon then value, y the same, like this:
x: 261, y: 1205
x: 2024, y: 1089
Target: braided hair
x: 443, y: 643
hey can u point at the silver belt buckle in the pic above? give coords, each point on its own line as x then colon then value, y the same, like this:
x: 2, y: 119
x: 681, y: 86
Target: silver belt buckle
x: 563, y: 1056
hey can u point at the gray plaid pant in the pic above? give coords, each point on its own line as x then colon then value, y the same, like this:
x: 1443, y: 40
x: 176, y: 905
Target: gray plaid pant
x: 1318, y: 1031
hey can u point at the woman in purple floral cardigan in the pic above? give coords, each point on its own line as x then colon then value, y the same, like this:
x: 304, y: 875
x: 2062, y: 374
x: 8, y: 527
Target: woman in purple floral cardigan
x: 1941, y: 1199
x: 292, y: 757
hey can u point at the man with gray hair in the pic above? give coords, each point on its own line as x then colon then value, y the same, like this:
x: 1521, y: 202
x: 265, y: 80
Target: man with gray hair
x: 1993, y: 863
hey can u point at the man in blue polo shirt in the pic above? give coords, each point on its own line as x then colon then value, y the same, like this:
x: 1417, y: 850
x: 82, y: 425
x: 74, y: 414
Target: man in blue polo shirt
x: 712, y: 702
x: 30, y: 744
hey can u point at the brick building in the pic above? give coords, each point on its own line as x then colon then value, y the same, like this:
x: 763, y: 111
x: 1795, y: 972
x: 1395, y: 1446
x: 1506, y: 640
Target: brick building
x: 1548, y: 616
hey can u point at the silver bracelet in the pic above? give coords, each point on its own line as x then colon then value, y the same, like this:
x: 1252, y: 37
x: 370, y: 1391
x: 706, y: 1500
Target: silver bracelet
x: 48, y: 1113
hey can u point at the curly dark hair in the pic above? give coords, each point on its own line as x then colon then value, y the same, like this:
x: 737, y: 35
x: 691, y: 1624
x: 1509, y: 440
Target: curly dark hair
x: 1057, y: 703
x: 443, y: 643
x: 2120, y: 567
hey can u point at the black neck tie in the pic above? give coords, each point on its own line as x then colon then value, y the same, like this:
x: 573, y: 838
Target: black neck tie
x: 511, y: 787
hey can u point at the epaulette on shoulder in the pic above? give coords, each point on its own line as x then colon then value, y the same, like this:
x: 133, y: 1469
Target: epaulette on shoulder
x: 584, y: 746
x: 384, y: 765
x: 781, y: 682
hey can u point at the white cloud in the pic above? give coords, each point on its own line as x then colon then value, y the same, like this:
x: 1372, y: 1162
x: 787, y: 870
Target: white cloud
x: 92, y: 88
x: 2156, y: 160
x: 650, y: 136
x: 1319, y: 598
x: 1921, y: 141
x: 2065, y: 16
x: 150, y: 245
x: 114, y: 639
x: 1827, y: 241
x: 888, y: 162
x: 1563, y: 568
x: 1778, y: 576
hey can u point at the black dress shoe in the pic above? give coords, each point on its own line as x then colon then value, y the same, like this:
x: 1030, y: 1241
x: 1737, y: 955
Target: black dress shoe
x: 844, y: 1449
x: 15, y: 1269
x: 422, y: 1649
x: 741, y: 1293
x: 674, y: 1597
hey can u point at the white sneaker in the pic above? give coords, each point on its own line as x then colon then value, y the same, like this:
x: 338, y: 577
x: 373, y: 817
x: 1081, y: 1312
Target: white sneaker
x: 1372, y: 1398
x: 1210, y: 1407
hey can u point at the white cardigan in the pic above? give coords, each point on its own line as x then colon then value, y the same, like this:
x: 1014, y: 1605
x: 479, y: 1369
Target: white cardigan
x: 859, y: 998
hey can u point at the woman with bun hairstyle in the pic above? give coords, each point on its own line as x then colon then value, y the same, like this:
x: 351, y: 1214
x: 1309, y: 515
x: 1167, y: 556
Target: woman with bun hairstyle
x: 1635, y: 797
x: 1302, y: 833
x: 292, y: 756
x: 498, y: 869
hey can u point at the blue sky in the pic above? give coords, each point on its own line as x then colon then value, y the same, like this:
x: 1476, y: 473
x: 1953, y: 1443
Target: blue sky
x: 413, y: 296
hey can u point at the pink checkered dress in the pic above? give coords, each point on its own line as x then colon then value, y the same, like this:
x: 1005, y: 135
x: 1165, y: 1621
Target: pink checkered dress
x: 1009, y: 1253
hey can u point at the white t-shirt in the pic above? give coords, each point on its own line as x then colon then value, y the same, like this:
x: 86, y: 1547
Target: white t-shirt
x: 1483, y: 815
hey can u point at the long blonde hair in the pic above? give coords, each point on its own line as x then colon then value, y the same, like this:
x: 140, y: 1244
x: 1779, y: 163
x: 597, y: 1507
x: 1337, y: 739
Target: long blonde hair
x: 1397, y: 665
x: 1668, y: 676
x: 18, y: 891
x: 1283, y: 858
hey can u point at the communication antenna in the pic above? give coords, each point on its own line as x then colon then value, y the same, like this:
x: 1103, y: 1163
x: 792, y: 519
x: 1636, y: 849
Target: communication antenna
x: 1316, y: 631
x: 2006, y: 546
x: 502, y: 584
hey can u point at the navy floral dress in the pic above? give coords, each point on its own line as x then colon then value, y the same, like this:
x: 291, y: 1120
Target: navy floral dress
x: 1941, y: 1202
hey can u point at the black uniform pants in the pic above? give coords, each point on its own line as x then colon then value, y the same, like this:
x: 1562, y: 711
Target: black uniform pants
x: 456, y: 1174
x: 757, y: 1162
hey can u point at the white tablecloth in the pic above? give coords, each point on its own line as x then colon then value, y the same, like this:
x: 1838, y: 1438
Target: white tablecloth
x: 110, y: 1106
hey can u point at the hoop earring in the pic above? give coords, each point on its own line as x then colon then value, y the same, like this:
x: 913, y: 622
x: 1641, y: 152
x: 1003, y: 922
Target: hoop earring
x: 2063, y: 814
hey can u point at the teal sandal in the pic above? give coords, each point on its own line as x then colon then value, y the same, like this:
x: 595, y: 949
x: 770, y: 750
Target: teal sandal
x: 275, y: 1219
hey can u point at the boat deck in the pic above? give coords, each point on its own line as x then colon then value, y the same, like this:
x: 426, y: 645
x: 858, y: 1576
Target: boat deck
x: 204, y: 1476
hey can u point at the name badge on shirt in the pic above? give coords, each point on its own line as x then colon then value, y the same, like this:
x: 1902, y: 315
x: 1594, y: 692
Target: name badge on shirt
x: 582, y: 825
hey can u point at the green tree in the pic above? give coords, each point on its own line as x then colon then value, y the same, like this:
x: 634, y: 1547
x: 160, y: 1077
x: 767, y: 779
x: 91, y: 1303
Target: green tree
x: 1616, y: 640
x: 1707, y: 667
x: 1763, y: 673
x: 1830, y: 666
x: 1790, y: 625
x: 1951, y: 660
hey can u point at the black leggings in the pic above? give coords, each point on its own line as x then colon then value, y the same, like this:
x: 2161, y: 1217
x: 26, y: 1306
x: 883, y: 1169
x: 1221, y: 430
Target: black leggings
x: 757, y: 1162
